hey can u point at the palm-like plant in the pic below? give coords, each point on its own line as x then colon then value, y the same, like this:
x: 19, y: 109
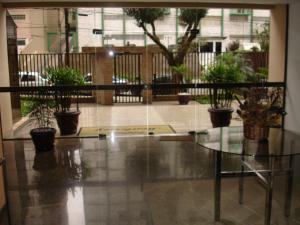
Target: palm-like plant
x: 227, y: 69
x: 61, y: 77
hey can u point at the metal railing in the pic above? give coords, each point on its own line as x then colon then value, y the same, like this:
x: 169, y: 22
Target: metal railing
x: 197, y: 64
x: 127, y: 70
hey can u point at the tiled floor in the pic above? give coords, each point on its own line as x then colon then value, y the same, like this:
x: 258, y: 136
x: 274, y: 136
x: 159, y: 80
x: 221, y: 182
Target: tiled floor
x: 132, y: 181
x: 182, y: 118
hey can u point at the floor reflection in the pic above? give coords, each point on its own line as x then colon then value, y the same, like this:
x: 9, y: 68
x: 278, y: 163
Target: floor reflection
x: 136, y: 180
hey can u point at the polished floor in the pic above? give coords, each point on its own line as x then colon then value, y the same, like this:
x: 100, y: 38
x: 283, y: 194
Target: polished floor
x: 133, y: 181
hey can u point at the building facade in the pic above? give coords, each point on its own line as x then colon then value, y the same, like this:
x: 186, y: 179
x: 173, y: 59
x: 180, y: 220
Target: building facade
x: 42, y: 30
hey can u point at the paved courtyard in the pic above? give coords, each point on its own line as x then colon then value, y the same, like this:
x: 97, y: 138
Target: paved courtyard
x: 182, y: 118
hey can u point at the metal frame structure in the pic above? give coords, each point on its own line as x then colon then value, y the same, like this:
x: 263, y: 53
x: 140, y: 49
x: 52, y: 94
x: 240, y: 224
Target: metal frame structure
x: 265, y: 178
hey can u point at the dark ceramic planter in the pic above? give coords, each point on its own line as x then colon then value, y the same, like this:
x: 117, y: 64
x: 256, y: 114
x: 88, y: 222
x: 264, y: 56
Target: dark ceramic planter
x: 67, y: 122
x: 43, y: 138
x: 183, y: 99
x: 220, y: 117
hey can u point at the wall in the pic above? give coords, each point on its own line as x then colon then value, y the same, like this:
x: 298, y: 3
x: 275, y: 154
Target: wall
x: 4, y: 98
x: 293, y: 70
x: 2, y: 193
x: 5, y: 103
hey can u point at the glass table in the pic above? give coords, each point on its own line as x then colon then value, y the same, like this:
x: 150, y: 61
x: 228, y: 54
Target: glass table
x: 230, y: 140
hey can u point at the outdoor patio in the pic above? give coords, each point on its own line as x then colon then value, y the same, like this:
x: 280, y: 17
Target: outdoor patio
x: 182, y: 118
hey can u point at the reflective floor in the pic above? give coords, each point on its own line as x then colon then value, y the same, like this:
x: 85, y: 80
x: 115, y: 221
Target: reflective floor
x: 133, y: 181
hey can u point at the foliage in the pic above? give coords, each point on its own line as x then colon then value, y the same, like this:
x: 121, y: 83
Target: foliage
x: 190, y: 18
x: 42, y: 114
x: 64, y: 76
x: 263, y: 36
x: 180, y: 69
x: 238, y: 61
x: 61, y: 77
x: 255, y: 49
x: 260, y: 107
x: 263, y: 71
x: 233, y: 46
x: 229, y: 68
x: 203, y: 99
x: 145, y: 15
x: 27, y: 106
x: 260, y: 76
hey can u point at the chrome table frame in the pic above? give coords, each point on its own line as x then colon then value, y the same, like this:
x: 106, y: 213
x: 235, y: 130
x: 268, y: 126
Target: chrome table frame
x: 266, y: 178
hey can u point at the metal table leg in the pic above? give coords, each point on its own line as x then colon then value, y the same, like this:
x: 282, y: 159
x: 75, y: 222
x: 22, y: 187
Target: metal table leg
x: 269, y: 192
x: 289, y: 187
x: 241, y: 182
x: 218, y: 164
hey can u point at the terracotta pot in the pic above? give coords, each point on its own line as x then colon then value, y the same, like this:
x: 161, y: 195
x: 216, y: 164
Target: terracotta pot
x: 43, y: 138
x: 67, y: 122
x: 220, y: 117
x: 256, y: 132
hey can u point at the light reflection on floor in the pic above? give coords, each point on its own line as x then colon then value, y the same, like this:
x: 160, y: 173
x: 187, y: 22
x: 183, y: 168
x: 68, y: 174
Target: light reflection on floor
x: 132, y: 181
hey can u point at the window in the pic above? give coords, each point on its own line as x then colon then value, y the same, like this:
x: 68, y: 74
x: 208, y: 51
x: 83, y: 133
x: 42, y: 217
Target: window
x: 21, y: 42
x: 240, y: 12
x: 18, y: 17
x: 207, y: 47
x: 218, y: 47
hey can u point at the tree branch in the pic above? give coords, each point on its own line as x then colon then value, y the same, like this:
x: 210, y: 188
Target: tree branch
x: 189, y: 37
x: 166, y: 52
x: 153, y: 28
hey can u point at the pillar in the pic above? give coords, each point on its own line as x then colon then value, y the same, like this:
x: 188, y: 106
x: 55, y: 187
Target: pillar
x: 102, y: 74
x: 292, y: 121
x: 5, y: 100
x: 277, y: 43
x: 2, y: 193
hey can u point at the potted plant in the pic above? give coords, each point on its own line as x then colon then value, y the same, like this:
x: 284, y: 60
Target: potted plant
x: 226, y: 69
x: 43, y: 136
x: 260, y: 110
x: 67, y: 118
x: 178, y: 77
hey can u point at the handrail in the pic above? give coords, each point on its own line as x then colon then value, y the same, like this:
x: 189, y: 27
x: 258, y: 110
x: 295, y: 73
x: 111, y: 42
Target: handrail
x: 108, y: 87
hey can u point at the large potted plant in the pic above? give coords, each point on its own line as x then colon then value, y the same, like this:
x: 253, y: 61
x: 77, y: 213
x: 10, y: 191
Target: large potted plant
x: 43, y: 136
x: 179, y: 73
x: 226, y: 69
x: 260, y: 109
x: 67, y: 118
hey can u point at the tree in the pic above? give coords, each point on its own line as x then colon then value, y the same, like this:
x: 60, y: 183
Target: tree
x: 190, y: 18
x: 263, y: 36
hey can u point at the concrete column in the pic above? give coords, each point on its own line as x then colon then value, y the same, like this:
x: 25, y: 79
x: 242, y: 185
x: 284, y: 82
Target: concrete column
x: 292, y: 119
x: 2, y: 193
x: 5, y: 101
x: 277, y: 43
x: 103, y: 73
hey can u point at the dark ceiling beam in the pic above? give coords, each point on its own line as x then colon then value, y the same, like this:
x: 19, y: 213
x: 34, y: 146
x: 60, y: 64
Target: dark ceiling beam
x: 153, y: 4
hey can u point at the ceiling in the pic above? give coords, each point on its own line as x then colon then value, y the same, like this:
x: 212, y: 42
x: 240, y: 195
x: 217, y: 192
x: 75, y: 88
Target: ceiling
x: 144, y: 3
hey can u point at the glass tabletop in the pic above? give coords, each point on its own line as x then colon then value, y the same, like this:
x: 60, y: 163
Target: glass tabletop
x: 231, y: 140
